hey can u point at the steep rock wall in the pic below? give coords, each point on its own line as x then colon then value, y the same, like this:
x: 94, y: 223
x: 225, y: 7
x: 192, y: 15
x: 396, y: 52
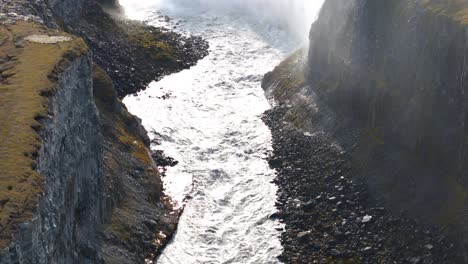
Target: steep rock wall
x: 138, y: 218
x: 78, y: 181
x: 68, y: 11
x: 387, y: 81
x: 48, y: 91
x: 63, y: 230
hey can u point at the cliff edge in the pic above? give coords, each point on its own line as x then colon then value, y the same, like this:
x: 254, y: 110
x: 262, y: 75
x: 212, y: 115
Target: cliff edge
x: 78, y: 181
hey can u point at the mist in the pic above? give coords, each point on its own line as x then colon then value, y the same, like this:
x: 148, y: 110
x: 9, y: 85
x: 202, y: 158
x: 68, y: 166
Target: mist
x: 294, y: 16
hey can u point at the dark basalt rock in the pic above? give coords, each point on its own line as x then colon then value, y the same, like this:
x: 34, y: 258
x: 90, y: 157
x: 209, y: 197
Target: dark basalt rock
x: 385, y: 81
x: 101, y: 197
x: 329, y: 213
x: 395, y: 71
x: 162, y: 160
x: 133, y: 53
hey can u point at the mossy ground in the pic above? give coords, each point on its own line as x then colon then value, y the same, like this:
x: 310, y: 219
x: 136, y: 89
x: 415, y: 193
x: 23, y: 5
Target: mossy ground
x: 151, y: 40
x: 140, y: 213
x: 286, y: 82
x: 288, y: 76
x: 28, y: 71
x: 455, y: 9
x: 123, y: 123
x: 134, y: 53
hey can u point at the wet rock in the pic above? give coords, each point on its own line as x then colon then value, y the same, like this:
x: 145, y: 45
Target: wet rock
x: 150, y: 223
x: 162, y: 160
x: 366, y: 219
x: 335, y: 252
x: 303, y: 235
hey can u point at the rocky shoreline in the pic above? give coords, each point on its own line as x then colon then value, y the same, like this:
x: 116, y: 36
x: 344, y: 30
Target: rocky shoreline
x: 108, y: 206
x: 134, y: 53
x: 329, y: 214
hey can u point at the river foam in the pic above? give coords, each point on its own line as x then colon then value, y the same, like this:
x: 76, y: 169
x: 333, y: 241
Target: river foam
x: 209, y: 119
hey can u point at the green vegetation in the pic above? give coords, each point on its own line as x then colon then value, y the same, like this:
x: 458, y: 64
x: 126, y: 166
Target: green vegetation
x: 455, y: 9
x: 285, y: 82
x: 151, y: 41
x: 123, y: 123
x: 145, y: 38
x: 451, y: 214
x: 125, y: 150
x: 376, y: 135
x: 28, y: 73
x: 288, y: 76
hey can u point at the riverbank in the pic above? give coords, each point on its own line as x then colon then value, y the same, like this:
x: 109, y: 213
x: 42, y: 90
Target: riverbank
x: 135, y: 53
x: 81, y: 185
x: 211, y: 125
x: 329, y: 214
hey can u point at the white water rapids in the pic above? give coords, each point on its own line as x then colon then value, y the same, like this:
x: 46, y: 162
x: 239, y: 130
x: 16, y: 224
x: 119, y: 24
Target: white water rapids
x: 209, y: 119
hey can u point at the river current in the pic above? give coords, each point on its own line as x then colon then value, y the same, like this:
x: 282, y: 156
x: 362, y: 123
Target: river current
x: 209, y: 119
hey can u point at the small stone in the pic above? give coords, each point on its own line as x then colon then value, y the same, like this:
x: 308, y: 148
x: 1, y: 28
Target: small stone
x: 429, y: 246
x: 335, y: 252
x: 308, y: 205
x: 366, y: 219
x: 150, y: 223
x: 415, y: 260
x: 302, y: 235
x: 338, y: 234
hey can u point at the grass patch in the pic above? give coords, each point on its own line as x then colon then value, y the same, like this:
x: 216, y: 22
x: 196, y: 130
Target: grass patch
x: 29, y: 74
x: 151, y: 41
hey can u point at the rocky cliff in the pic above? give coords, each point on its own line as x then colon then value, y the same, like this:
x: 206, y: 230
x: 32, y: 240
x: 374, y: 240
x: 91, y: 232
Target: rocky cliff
x: 386, y: 80
x: 77, y: 178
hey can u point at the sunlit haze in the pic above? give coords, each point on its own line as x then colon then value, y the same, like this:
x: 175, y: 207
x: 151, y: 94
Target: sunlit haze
x: 295, y: 15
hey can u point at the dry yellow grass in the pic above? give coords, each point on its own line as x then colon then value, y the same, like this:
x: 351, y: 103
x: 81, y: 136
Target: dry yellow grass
x: 23, y: 87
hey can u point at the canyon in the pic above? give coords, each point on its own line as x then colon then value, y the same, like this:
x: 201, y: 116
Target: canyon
x: 152, y: 141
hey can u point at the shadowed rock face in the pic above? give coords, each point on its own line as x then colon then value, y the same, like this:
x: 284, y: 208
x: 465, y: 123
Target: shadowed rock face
x: 36, y: 11
x: 67, y: 10
x: 81, y: 186
x: 398, y: 70
x: 71, y: 211
x: 388, y: 81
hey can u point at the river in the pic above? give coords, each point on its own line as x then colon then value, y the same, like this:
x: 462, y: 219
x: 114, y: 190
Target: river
x: 209, y: 119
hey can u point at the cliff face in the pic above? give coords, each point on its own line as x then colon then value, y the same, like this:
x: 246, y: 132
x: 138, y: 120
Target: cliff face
x: 67, y: 11
x: 47, y: 89
x: 77, y: 178
x: 138, y: 218
x: 387, y: 80
x: 397, y: 70
x: 401, y: 72
x: 70, y: 209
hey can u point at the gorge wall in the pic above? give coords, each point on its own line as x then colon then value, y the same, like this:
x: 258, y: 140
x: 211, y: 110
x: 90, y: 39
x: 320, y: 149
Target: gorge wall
x: 387, y: 81
x: 78, y: 181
